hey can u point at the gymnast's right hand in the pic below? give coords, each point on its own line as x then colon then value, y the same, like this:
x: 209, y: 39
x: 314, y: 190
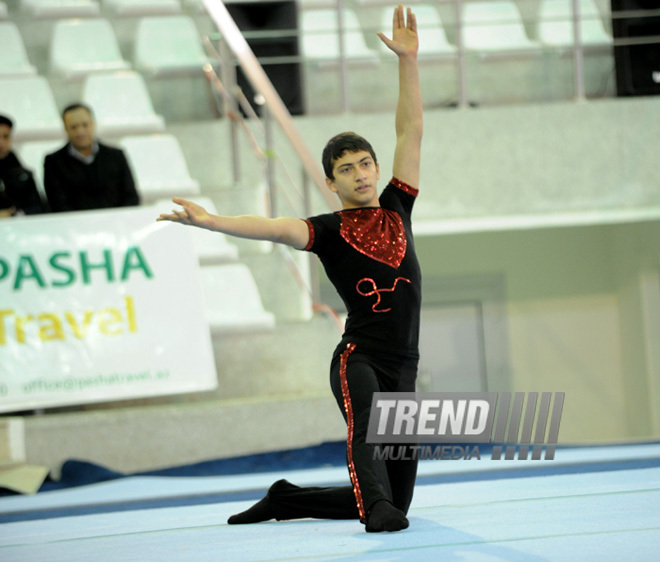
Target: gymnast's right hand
x: 192, y: 214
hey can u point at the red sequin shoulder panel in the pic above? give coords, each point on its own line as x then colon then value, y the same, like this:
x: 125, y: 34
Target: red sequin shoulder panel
x: 375, y: 232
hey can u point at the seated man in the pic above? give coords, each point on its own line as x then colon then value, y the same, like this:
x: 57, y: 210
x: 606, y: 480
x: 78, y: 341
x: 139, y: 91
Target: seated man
x: 87, y: 174
x: 18, y: 192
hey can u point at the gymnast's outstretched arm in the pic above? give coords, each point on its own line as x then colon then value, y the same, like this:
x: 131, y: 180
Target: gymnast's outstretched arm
x: 283, y: 230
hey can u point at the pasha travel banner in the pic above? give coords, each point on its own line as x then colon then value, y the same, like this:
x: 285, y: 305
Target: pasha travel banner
x: 99, y: 306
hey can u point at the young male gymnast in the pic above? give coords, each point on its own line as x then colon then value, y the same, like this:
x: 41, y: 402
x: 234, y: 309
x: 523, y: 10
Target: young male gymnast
x: 368, y: 253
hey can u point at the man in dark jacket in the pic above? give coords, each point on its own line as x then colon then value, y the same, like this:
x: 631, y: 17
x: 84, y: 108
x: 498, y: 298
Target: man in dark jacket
x: 18, y: 192
x: 87, y: 174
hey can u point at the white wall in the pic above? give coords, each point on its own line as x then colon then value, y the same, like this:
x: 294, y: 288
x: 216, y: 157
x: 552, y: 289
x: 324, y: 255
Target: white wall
x: 575, y: 316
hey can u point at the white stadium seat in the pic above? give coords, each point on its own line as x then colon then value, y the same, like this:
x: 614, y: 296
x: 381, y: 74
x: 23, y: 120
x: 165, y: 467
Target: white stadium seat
x: 555, y: 24
x: 194, y: 6
x: 319, y: 48
x: 231, y: 300
x: 80, y: 47
x: 320, y: 36
x: 13, y: 58
x: 29, y: 101
x: 494, y: 26
x: 503, y: 63
x: 159, y: 166
x: 210, y: 247
x: 61, y: 8
x: 554, y: 29
x: 165, y: 45
x: 135, y: 8
x: 121, y: 104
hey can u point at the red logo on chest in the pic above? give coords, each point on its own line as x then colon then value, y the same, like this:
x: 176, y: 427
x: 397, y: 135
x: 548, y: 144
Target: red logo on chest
x: 376, y: 291
x: 377, y: 233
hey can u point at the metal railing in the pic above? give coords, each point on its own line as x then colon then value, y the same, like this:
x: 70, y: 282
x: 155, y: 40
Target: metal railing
x: 234, y: 104
x: 453, y: 23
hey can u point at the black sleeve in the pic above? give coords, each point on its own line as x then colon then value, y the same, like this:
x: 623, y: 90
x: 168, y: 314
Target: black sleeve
x: 130, y: 196
x: 399, y: 196
x: 53, y: 185
x: 28, y: 195
x: 319, y: 229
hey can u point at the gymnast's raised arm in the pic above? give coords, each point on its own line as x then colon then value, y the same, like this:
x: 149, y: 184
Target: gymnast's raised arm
x: 409, y: 118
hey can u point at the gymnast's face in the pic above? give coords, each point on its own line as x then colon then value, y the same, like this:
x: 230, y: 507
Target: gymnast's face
x: 80, y: 129
x: 355, y: 177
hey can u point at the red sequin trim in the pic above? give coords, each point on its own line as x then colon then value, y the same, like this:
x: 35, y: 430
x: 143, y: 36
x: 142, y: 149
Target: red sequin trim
x: 348, y: 407
x: 375, y: 232
x: 310, y: 228
x: 376, y: 291
x: 409, y: 189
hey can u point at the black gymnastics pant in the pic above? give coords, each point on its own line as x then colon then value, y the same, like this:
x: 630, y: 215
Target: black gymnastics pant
x: 354, y: 377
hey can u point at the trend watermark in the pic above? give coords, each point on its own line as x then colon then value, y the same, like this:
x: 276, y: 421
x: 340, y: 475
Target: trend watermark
x: 458, y: 422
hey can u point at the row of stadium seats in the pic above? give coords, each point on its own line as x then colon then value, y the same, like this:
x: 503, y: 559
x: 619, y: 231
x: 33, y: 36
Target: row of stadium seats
x: 121, y: 104
x: 509, y: 58
x: 82, y: 46
x: 159, y: 166
x: 91, y: 8
x: 165, y: 44
x: 162, y: 47
x: 232, y: 301
x: 488, y: 26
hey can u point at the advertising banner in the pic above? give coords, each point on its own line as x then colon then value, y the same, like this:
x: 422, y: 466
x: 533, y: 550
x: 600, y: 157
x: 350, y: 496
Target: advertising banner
x: 98, y: 306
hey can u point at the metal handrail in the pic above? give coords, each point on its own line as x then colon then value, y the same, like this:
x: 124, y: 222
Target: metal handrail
x: 461, y: 56
x: 255, y: 73
x: 234, y: 100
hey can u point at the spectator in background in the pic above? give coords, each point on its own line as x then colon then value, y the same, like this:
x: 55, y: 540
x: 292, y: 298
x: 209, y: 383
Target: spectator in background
x: 87, y: 174
x: 18, y: 192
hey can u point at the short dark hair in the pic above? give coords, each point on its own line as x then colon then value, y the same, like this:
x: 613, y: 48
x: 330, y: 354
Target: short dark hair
x: 77, y: 105
x: 341, y: 143
x: 4, y: 120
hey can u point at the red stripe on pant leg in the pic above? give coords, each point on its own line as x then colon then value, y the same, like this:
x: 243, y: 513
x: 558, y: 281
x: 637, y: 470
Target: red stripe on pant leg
x: 348, y: 407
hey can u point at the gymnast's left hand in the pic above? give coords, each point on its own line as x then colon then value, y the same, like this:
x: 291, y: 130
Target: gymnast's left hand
x: 405, y: 41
